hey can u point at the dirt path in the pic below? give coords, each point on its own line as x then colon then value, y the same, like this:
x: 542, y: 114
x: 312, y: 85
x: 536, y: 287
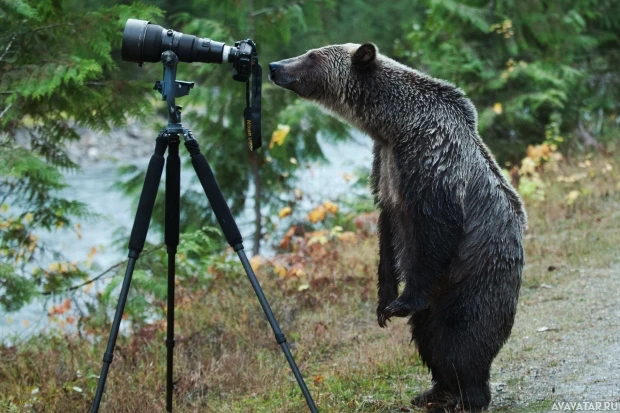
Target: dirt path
x: 577, y: 357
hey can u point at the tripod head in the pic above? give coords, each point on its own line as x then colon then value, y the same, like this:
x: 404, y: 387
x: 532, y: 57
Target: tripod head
x: 170, y: 89
x: 247, y: 63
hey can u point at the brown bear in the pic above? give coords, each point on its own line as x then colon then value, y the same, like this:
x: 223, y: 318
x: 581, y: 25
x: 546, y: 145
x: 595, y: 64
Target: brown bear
x: 450, y: 226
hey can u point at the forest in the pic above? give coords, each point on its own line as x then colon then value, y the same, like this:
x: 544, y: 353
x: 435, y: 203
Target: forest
x: 544, y: 78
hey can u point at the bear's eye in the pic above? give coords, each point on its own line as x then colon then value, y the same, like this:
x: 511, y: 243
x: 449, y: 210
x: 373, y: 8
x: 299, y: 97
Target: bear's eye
x: 312, y: 56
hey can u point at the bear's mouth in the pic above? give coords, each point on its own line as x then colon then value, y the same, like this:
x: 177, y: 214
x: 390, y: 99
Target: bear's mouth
x: 294, y: 85
x: 280, y: 80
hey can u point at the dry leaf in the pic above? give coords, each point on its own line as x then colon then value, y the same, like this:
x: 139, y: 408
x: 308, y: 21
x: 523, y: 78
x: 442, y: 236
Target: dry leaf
x: 286, y: 240
x: 348, y: 237
x: 317, y: 214
x: 572, y: 197
x: 256, y: 262
x: 280, y: 270
x: 279, y: 135
x: 330, y: 207
x: 285, y: 212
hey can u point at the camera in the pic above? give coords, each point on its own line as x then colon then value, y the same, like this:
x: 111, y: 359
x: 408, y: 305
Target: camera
x: 145, y: 42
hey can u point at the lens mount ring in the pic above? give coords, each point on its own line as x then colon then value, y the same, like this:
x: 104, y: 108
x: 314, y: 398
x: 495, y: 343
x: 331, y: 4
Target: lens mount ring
x: 145, y: 24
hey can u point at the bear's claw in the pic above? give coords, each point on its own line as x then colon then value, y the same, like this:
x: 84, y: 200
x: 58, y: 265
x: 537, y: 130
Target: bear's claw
x: 381, y: 319
x: 396, y: 309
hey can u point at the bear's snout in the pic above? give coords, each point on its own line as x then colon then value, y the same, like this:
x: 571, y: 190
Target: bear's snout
x: 273, y: 66
x: 279, y: 74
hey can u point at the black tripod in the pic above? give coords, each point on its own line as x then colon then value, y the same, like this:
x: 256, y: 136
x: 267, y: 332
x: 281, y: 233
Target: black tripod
x: 170, y: 138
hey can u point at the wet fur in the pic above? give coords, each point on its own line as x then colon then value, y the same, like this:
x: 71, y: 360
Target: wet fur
x: 450, y: 225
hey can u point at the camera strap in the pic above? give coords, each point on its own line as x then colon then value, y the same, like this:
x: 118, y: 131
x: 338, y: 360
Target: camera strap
x: 252, y: 112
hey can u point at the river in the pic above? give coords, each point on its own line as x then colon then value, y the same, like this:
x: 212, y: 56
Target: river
x: 93, y: 186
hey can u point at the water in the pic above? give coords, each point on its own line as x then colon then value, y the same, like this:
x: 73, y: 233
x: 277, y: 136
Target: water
x: 93, y: 186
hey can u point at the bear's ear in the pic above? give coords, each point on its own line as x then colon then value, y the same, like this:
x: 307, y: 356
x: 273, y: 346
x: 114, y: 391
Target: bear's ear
x: 365, y: 54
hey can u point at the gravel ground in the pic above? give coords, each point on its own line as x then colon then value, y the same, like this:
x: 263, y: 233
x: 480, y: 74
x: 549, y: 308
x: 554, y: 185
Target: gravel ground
x: 565, y: 346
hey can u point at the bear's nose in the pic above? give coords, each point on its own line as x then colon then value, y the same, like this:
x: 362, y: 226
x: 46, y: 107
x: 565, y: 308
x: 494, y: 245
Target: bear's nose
x: 274, y: 66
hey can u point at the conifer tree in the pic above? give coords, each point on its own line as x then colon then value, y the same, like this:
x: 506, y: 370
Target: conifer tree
x: 535, y: 69
x: 57, y: 73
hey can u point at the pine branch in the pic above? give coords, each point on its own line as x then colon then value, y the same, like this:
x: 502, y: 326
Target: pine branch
x: 102, y: 274
x: 261, y: 11
x: 264, y: 10
x: 6, y: 50
x: 5, y: 110
x: 51, y: 26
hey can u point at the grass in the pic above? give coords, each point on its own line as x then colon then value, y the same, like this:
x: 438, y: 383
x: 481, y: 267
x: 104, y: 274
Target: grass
x: 226, y: 359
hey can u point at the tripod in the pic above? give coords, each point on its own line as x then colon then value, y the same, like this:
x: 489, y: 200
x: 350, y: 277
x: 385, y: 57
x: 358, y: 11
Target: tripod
x: 170, y: 138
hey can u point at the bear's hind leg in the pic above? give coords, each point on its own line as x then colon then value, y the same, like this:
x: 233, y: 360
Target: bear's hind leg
x: 436, y: 395
x: 461, y: 345
x: 471, y: 397
x: 422, y: 335
x: 465, y: 371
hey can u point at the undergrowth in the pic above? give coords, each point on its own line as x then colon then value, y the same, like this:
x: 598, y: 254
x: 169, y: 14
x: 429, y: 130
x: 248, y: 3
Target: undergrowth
x: 323, y: 293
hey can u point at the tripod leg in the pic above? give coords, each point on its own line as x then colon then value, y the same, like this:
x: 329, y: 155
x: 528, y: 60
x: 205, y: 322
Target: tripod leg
x: 280, y: 338
x: 136, y: 244
x: 233, y: 236
x: 173, y: 194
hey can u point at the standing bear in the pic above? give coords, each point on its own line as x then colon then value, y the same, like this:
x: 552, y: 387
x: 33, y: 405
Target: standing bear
x: 450, y: 225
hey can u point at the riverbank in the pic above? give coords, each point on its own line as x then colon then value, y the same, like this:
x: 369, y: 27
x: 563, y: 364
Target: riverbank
x: 564, y: 346
x: 134, y: 141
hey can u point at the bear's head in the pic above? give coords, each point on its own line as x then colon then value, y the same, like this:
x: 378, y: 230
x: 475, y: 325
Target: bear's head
x: 333, y: 76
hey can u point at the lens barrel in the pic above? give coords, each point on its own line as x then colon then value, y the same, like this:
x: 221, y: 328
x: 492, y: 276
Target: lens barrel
x: 145, y: 42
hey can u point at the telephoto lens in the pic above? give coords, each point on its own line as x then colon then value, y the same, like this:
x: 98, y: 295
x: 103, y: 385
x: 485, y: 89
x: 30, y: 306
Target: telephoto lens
x: 145, y: 42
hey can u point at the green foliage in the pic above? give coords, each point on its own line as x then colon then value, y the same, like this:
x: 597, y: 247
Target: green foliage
x: 526, y: 65
x: 53, y: 79
x: 360, y: 21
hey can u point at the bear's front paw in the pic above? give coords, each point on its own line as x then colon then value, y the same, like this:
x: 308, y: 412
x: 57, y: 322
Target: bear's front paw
x: 399, y: 308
